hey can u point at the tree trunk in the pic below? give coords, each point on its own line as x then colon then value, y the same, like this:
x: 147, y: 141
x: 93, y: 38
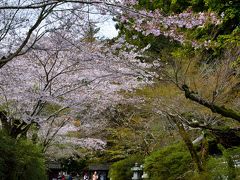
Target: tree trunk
x: 4, y: 120
x: 188, y: 143
x: 13, y: 127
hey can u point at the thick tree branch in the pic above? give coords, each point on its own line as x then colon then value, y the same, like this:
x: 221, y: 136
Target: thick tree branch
x: 228, y: 137
x: 214, y: 108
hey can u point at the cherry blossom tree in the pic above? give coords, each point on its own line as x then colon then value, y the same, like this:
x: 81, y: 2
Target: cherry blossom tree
x: 55, y: 73
x: 63, y: 77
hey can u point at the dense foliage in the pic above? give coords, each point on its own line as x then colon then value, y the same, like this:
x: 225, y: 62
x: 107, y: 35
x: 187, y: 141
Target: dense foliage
x: 121, y: 170
x: 20, y: 160
x: 171, y: 162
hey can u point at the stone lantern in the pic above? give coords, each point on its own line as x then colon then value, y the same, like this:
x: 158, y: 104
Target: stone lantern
x: 137, y: 170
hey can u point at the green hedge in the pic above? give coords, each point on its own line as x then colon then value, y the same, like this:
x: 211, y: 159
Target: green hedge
x: 171, y: 162
x: 121, y: 170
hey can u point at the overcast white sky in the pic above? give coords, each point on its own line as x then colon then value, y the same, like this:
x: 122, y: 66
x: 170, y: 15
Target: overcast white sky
x: 108, y: 29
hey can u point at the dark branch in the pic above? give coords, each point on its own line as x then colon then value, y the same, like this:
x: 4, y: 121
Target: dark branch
x: 48, y: 3
x: 213, y: 107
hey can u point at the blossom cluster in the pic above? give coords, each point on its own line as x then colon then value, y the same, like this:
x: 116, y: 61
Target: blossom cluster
x: 155, y: 23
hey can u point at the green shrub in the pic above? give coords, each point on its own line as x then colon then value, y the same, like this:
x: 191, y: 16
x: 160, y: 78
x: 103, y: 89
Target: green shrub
x: 20, y: 160
x: 221, y: 167
x: 7, y: 158
x: 171, y: 162
x: 121, y: 170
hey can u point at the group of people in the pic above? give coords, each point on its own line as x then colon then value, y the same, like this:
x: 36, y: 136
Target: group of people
x: 95, y: 176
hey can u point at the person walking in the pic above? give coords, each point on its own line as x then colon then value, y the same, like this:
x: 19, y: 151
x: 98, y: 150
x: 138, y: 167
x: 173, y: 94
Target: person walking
x: 95, y: 176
